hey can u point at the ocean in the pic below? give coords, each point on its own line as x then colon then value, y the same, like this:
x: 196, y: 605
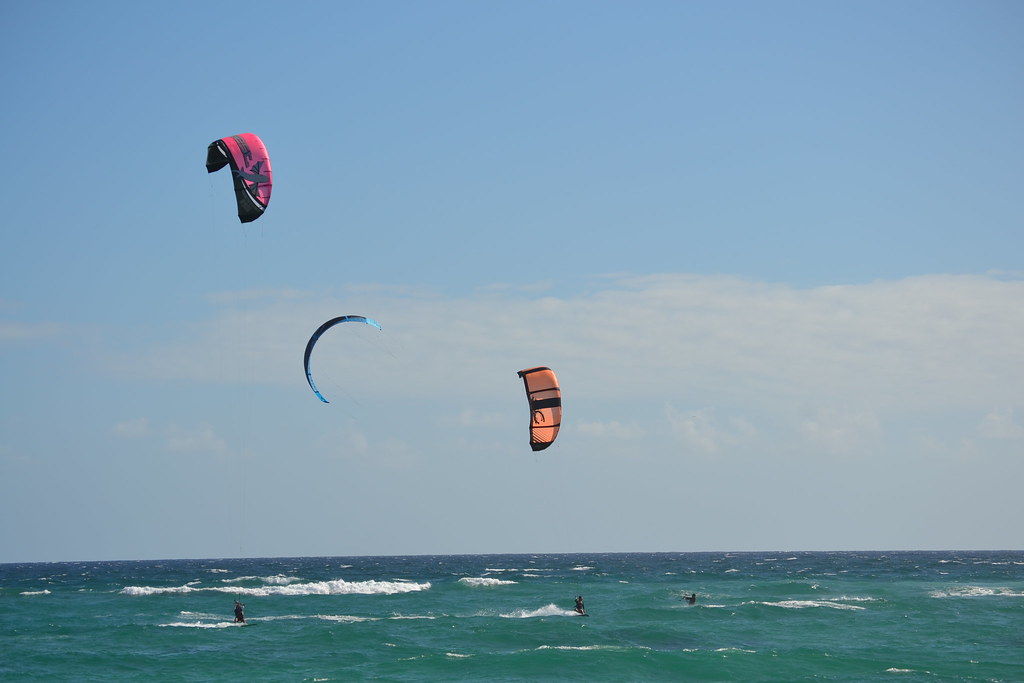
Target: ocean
x: 764, y: 616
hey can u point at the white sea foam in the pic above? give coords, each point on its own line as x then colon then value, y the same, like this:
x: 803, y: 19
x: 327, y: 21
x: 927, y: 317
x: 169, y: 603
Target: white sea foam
x: 239, y: 579
x: 276, y: 580
x: 345, y: 618
x: 804, y: 604
x: 185, y: 614
x: 42, y: 592
x: 583, y: 568
x: 851, y: 598
x: 202, y: 624
x: 280, y: 580
x: 335, y: 587
x: 975, y: 592
x: 549, y: 610
x: 586, y: 648
x: 484, y: 582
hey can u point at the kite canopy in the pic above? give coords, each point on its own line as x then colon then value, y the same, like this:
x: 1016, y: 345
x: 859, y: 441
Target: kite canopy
x: 545, y: 406
x: 316, y: 335
x: 250, y: 167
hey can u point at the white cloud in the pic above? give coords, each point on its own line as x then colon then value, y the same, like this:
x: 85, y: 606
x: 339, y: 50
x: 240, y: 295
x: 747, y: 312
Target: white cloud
x: 1000, y: 424
x: 611, y: 430
x: 202, y: 439
x: 702, y: 431
x: 475, y: 418
x: 17, y: 331
x: 132, y: 429
x: 840, y: 432
x: 823, y: 368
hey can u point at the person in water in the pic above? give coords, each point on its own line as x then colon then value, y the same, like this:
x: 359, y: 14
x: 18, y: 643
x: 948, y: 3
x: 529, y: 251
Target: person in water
x: 239, y: 614
x: 579, y: 605
x: 691, y: 598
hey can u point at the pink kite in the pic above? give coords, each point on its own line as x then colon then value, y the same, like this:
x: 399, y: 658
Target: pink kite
x: 250, y: 167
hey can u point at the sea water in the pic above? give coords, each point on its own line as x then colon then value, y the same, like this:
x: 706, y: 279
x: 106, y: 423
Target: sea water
x: 786, y: 616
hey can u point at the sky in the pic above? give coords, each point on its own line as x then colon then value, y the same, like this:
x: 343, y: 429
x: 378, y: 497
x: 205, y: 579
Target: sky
x: 774, y: 252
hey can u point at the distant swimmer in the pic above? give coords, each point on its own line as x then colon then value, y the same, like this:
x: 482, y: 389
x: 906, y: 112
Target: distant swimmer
x: 691, y: 598
x: 239, y: 614
x: 579, y: 605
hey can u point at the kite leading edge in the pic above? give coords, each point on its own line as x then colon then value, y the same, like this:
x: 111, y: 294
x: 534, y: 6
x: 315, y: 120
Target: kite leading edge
x: 316, y: 335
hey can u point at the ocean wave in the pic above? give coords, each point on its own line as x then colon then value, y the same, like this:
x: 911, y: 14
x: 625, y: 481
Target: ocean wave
x: 239, y: 579
x: 976, y: 592
x: 186, y: 614
x: 345, y: 618
x: 549, y: 610
x: 484, y: 582
x: 206, y: 620
x: 586, y: 648
x: 851, y: 598
x: 335, y: 587
x: 276, y: 580
x: 805, y: 604
x: 42, y: 592
x: 203, y: 624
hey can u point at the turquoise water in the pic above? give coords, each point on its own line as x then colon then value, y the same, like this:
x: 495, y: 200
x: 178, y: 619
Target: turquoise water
x: 858, y: 616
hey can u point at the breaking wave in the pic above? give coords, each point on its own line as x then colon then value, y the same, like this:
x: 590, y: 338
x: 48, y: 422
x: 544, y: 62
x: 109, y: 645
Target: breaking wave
x: 335, y: 587
x: 485, y: 582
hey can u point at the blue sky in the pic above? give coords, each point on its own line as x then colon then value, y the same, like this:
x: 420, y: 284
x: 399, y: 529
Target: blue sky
x: 772, y: 250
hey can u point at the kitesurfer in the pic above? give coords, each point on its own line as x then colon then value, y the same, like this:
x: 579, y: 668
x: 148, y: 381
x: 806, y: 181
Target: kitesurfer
x: 579, y: 605
x: 691, y: 598
x: 239, y: 614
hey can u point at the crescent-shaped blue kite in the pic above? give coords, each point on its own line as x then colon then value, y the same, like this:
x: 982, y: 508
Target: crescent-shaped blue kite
x: 316, y: 335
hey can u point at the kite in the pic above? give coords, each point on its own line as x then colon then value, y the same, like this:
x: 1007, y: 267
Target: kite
x: 250, y: 167
x: 545, y: 406
x: 316, y: 335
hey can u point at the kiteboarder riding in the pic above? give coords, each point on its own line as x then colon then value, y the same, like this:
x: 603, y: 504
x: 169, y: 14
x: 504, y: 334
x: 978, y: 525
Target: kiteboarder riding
x: 579, y: 605
x: 239, y: 614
